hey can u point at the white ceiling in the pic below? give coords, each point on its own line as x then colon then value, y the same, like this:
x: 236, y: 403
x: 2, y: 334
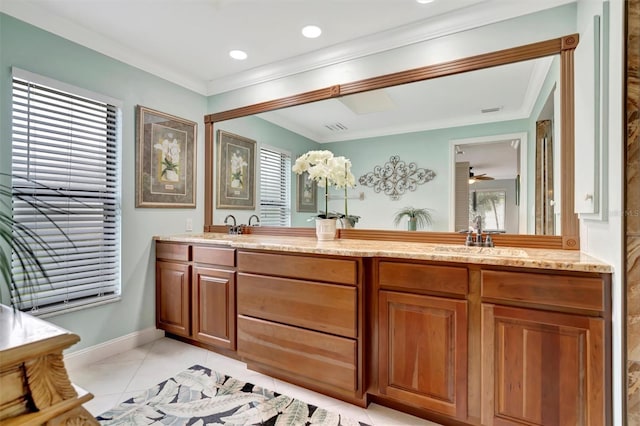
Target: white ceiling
x: 498, y: 159
x: 187, y: 41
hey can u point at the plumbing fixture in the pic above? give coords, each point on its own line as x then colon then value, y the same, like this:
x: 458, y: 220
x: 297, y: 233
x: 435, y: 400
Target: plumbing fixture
x: 257, y: 218
x: 233, y: 229
x: 478, y: 241
x: 227, y: 218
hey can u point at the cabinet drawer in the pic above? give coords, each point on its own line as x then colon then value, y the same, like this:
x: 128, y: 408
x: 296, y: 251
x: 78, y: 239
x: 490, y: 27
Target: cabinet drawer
x: 340, y: 271
x: 324, y: 307
x: 412, y: 276
x: 320, y: 357
x: 562, y: 291
x: 173, y: 251
x: 214, y: 255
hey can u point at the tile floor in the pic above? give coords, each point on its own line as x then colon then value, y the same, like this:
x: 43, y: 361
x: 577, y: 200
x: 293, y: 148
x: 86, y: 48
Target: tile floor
x: 122, y: 376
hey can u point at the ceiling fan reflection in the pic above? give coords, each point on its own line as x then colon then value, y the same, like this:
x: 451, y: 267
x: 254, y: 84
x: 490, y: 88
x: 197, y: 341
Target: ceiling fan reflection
x: 473, y: 177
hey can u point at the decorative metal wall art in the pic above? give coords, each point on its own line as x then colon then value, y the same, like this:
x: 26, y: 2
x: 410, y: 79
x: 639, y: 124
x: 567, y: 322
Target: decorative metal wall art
x: 396, y: 177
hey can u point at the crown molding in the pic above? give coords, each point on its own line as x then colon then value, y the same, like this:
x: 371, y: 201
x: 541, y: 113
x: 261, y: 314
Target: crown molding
x: 39, y: 17
x: 485, y: 13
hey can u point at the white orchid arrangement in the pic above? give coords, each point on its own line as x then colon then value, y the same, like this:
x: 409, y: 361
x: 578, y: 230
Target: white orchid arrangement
x: 324, y: 167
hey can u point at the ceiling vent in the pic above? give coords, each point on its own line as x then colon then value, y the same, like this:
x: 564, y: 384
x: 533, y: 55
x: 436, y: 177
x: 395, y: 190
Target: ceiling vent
x: 488, y: 110
x: 336, y: 127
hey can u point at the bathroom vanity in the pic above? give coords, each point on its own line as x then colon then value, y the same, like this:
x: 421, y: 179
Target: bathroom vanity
x: 455, y: 334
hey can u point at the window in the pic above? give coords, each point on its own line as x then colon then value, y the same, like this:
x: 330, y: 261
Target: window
x: 490, y: 205
x: 65, y: 189
x: 275, y: 187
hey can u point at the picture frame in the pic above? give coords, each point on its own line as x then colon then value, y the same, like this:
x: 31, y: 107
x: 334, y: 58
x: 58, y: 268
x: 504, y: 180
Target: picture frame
x: 306, y: 194
x: 165, y: 160
x: 235, y: 172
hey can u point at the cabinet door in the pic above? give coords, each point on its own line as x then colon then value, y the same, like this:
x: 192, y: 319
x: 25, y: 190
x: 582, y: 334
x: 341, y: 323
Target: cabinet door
x: 172, y: 297
x: 214, y: 295
x: 542, y: 368
x: 423, y: 351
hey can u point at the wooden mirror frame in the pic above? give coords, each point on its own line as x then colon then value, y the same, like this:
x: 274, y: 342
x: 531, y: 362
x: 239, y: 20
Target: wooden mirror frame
x: 564, y: 46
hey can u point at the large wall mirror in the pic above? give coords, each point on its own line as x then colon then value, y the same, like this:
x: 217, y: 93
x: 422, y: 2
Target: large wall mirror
x: 497, y: 138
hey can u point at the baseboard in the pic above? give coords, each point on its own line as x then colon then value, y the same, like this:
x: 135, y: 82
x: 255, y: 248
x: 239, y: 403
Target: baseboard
x: 111, y: 347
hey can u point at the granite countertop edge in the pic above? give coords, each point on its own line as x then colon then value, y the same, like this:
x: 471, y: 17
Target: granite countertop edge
x: 566, y: 260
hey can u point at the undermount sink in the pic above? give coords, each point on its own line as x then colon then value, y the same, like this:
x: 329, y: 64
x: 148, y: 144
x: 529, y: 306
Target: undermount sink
x: 482, y: 251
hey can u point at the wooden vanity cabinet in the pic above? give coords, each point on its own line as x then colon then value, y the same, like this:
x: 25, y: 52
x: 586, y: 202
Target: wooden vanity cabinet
x: 300, y: 318
x: 195, y: 292
x: 173, y: 288
x: 549, y: 365
x: 422, y: 335
x: 452, y: 342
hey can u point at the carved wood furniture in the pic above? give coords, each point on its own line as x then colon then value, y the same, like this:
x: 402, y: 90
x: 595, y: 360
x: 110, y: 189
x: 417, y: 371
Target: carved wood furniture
x: 475, y: 341
x: 34, y: 386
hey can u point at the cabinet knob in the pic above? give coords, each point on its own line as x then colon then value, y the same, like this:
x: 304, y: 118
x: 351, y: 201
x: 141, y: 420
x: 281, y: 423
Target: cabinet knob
x: 588, y: 197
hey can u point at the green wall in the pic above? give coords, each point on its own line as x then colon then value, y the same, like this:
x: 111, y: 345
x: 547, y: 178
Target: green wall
x: 40, y: 52
x: 429, y: 150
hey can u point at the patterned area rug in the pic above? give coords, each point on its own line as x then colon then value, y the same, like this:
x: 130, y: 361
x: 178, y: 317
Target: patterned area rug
x: 200, y: 396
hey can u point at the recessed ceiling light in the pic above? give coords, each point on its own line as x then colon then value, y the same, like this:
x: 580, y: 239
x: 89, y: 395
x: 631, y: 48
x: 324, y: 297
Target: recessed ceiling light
x: 238, y: 54
x: 424, y: 1
x: 311, y: 31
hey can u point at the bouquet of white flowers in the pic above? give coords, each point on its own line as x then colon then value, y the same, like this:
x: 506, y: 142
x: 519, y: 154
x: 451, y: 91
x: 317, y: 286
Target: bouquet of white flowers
x: 324, y: 167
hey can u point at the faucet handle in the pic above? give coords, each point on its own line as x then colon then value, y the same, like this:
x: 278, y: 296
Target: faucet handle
x: 488, y: 242
x: 469, y: 240
x: 479, y: 238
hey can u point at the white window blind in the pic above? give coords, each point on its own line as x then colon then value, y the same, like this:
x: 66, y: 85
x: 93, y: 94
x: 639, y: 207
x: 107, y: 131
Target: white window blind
x: 65, y: 190
x: 275, y: 187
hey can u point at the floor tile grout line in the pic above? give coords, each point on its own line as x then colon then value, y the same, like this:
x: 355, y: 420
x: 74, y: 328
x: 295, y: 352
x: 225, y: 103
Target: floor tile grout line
x: 133, y: 375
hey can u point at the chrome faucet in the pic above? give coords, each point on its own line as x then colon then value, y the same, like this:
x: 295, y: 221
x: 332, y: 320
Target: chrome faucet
x: 227, y: 218
x: 233, y: 229
x: 257, y: 218
x: 478, y: 222
x: 478, y: 242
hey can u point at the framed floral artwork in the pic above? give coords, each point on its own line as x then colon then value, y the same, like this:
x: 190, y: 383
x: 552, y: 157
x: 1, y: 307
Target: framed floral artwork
x: 165, y: 160
x: 236, y: 165
x: 307, y: 194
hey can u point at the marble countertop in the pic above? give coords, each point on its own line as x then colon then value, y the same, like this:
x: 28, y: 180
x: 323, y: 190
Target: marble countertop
x: 567, y: 260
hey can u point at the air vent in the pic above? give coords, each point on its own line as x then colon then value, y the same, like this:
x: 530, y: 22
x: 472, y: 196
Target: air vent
x: 488, y: 110
x: 336, y: 127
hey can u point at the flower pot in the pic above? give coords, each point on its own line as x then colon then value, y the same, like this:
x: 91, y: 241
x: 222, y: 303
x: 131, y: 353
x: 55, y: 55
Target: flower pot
x: 326, y: 229
x: 346, y: 224
x: 411, y: 224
